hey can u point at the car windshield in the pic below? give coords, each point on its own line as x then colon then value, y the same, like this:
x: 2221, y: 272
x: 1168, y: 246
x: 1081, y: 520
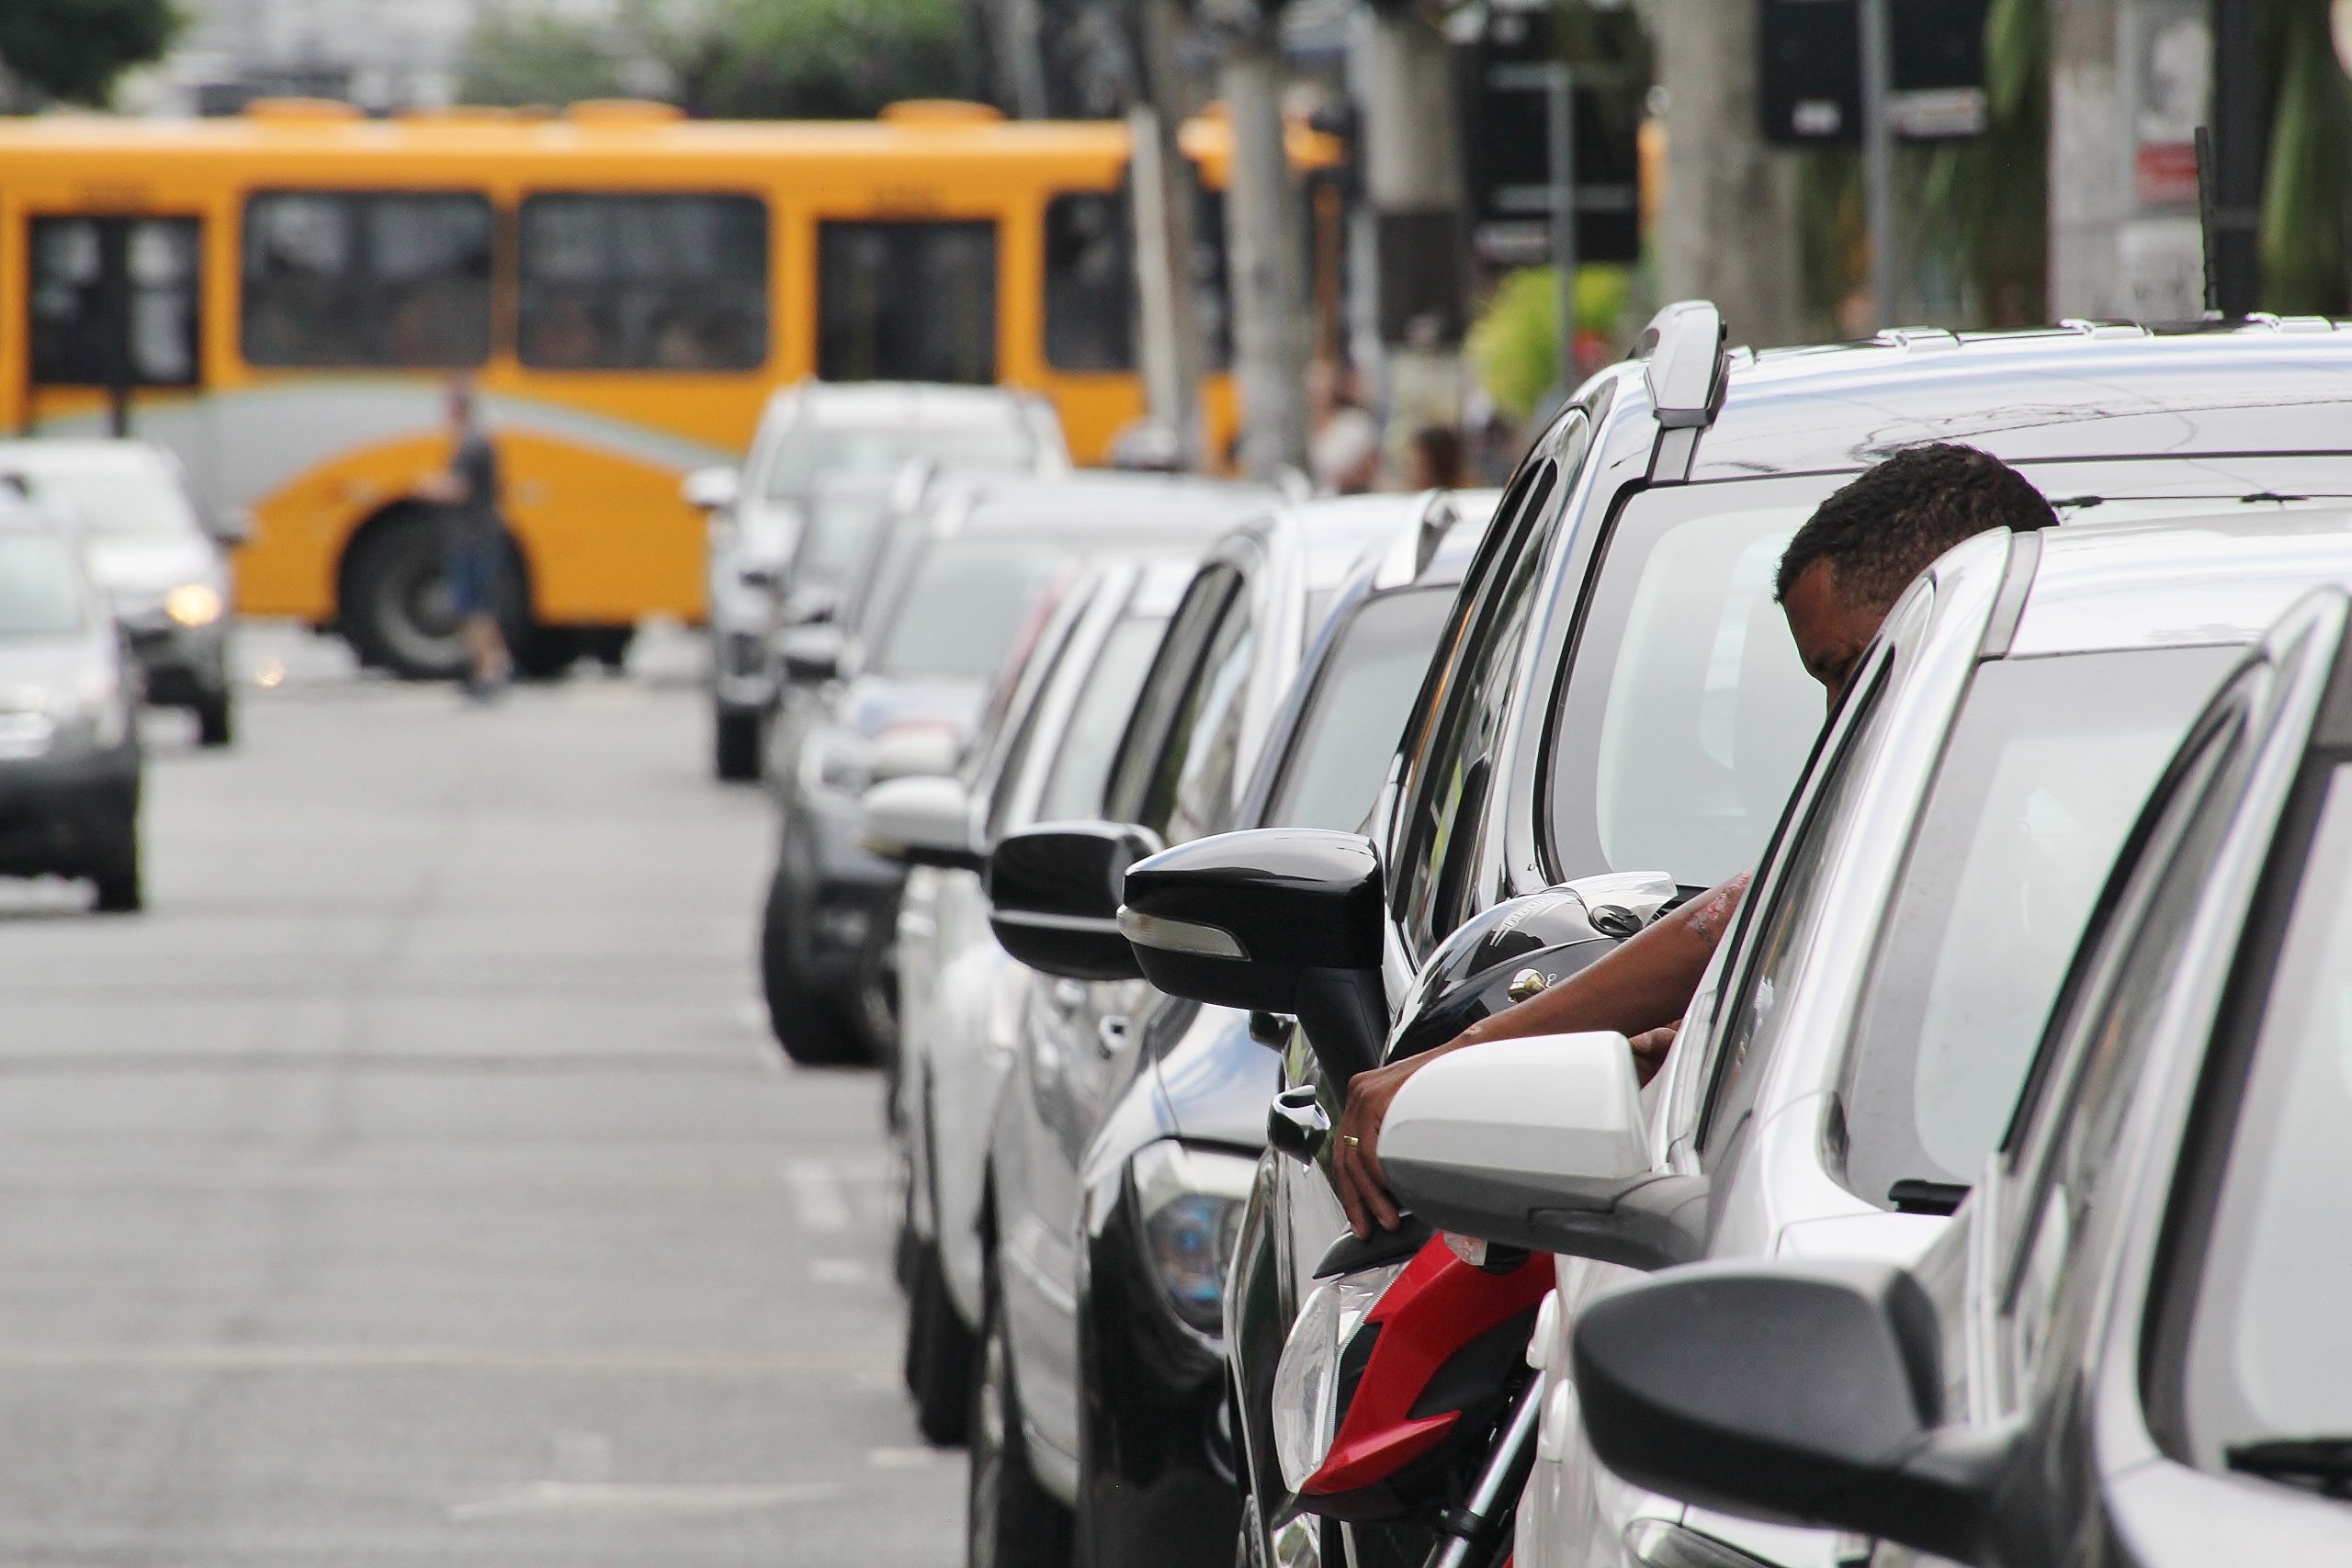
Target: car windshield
x: 116, y: 497
x: 1350, y: 730
x: 2047, y: 766
x: 964, y: 602
x: 2266, y: 1356
x: 813, y: 451
x: 835, y: 536
x: 1687, y: 715
x: 1081, y: 763
x: 41, y: 593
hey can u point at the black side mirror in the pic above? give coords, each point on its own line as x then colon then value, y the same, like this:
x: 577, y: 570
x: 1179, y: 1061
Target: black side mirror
x: 1053, y: 897
x: 810, y: 654
x: 813, y: 605
x: 1836, y: 1427
x: 1274, y: 920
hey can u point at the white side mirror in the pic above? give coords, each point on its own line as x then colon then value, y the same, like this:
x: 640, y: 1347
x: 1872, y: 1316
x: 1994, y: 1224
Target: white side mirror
x: 915, y: 751
x: 924, y: 819
x: 710, y: 490
x: 1540, y: 1143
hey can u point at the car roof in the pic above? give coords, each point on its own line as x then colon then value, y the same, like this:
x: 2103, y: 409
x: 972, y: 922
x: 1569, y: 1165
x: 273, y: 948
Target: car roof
x: 861, y: 403
x: 2180, y: 581
x: 53, y: 453
x: 1103, y: 503
x: 2243, y: 387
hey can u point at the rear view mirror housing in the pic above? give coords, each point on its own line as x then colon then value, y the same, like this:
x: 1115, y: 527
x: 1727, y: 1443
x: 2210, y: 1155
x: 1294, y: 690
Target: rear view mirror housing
x: 922, y: 819
x: 710, y: 490
x: 812, y: 605
x: 1541, y: 1143
x: 1053, y: 897
x: 1272, y: 920
x: 913, y: 751
x: 810, y: 655
x: 1834, y: 1426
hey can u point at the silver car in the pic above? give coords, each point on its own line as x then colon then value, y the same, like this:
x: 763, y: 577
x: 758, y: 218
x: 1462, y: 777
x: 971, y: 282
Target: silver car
x: 1857, y: 1049
x: 755, y: 514
x: 164, y: 572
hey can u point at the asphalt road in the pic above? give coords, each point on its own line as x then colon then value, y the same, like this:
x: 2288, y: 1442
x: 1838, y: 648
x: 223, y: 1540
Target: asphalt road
x: 415, y: 1183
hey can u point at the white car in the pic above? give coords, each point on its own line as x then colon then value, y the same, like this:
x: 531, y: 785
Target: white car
x: 806, y: 432
x: 1858, y: 1047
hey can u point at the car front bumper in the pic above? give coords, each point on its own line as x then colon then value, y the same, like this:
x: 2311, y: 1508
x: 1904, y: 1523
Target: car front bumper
x: 180, y: 666
x: 67, y: 815
x: 839, y: 892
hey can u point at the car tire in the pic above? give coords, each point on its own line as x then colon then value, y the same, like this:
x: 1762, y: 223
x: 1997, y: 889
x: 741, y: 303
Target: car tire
x: 120, y: 888
x: 735, y: 744
x: 215, y: 720
x: 546, y: 653
x: 939, y: 1352
x: 1009, y: 1521
x: 809, y: 1027
x: 394, y: 603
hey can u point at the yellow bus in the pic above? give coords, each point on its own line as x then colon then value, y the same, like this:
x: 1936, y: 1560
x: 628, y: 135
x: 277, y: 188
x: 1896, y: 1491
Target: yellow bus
x: 277, y: 297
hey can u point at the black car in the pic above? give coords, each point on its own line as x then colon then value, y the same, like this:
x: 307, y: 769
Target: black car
x: 1619, y: 693
x: 70, y: 760
x: 953, y: 589
x: 2132, y: 1348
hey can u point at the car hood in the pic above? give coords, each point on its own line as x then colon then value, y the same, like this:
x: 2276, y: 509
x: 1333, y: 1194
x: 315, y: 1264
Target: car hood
x: 138, y: 565
x: 872, y: 703
x: 33, y: 667
x: 1214, y: 1081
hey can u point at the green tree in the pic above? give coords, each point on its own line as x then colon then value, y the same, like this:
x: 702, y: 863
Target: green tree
x: 536, y: 58
x: 812, y: 59
x: 71, y: 50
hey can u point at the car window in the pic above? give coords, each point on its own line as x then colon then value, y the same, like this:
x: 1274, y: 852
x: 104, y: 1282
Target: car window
x: 2063, y: 1140
x: 1340, y: 752
x: 809, y: 453
x: 1454, y: 762
x: 835, y: 536
x: 963, y: 606
x: 1193, y: 787
x: 41, y: 593
x: 117, y: 498
x: 1777, y: 931
x: 2046, y: 768
x: 1081, y: 762
x: 1685, y: 713
x: 1165, y: 688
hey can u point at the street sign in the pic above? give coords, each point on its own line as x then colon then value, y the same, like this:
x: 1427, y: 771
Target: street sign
x: 1511, y: 178
x: 1810, y: 71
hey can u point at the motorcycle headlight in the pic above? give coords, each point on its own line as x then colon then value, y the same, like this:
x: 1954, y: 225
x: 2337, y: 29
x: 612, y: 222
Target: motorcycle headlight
x: 1190, y: 1201
x: 193, y: 605
x: 1320, y: 1364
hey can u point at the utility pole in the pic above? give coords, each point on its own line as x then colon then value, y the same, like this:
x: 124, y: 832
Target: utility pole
x: 2236, y: 198
x: 1403, y: 74
x: 1265, y: 218
x: 1730, y: 229
x: 1164, y: 198
x: 1878, y: 158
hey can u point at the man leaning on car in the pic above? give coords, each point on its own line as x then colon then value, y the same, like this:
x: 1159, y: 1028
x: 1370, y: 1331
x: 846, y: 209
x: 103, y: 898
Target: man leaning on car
x: 1841, y: 574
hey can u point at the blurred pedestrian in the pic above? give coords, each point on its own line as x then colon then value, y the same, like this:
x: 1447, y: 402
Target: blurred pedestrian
x: 1433, y: 459
x: 1346, y: 453
x: 473, y: 542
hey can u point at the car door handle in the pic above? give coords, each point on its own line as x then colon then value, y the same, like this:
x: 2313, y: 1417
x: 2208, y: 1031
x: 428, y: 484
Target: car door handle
x: 1295, y: 1125
x: 1110, y: 1035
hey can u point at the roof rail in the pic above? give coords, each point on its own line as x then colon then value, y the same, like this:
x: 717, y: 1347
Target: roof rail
x: 1434, y: 513
x: 913, y: 482
x: 2098, y: 329
x: 1685, y: 375
x: 2289, y: 323
x: 1916, y: 339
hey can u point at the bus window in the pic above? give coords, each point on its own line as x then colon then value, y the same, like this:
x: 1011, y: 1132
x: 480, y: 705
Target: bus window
x: 630, y: 282
x: 906, y: 301
x: 113, y: 301
x: 367, y: 278
x: 1089, y: 281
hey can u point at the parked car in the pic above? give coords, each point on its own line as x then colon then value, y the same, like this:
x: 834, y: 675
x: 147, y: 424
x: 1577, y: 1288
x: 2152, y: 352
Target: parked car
x: 69, y: 763
x: 953, y: 590
x: 160, y: 563
x: 806, y: 432
x: 1619, y: 693
x: 2130, y: 1347
x: 1200, y: 727
x: 1858, y: 1049
x: 1046, y: 749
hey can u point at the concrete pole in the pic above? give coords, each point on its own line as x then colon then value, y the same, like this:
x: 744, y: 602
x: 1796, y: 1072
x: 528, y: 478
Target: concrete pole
x: 2090, y: 161
x: 1265, y: 222
x: 1878, y: 160
x: 1164, y: 197
x: 1414, y: 189
x: 1730, y: 221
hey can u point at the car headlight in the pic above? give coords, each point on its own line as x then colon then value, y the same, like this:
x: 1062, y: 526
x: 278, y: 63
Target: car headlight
x: 1321, y: 1361
x: 1190, y: 1201
x: 193, y: 605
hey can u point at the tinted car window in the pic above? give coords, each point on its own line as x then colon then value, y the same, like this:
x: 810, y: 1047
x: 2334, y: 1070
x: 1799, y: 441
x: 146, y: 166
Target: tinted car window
x: 623, y: 281
x: 1685, y: 714
x: 1166, y: 688
x: 963, y: 605
x: 1192, y: 788
x: 2045, y: 771
x: 41, y: 595
x: 367, y: 278
x: 835, y: 538
x: 1340, y: 750
x: 1081, y: 765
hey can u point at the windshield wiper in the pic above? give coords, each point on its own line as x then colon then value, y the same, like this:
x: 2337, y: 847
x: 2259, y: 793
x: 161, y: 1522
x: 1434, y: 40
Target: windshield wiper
x: 2321, y: 1464
x: 1912, y: 1195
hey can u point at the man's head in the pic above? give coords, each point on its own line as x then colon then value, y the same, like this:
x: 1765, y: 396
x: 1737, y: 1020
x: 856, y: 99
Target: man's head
x: 1861, y: 547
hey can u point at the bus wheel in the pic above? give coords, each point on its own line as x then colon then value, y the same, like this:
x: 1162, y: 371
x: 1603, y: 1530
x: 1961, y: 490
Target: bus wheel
x: 395, y: 604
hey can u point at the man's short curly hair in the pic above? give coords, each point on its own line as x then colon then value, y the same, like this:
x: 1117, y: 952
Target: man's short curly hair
x: 1881, y: 531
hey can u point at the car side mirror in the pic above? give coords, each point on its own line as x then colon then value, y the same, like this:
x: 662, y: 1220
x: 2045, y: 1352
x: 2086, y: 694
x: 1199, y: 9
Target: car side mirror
x: 1272, y: 920
x: 814, y: 605
x: 1541, y: 1143
x: 1833, y: 1425
x: 230, y: 525
x: 913, y: 751
x: 923, y: 820
x: 759, y: 575
x: 1053, y: 897
x: 810, y: 654
x: 710, y: 490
